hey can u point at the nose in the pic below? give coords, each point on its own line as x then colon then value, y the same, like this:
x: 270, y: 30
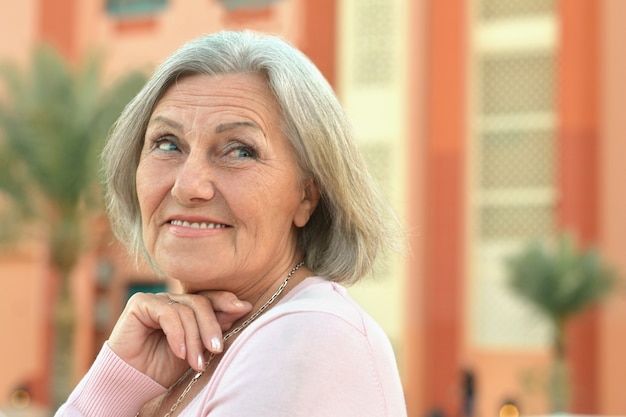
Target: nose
x: 194, y: 181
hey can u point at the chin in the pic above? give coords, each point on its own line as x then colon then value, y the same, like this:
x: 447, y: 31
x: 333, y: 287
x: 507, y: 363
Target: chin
x: 194, y: 280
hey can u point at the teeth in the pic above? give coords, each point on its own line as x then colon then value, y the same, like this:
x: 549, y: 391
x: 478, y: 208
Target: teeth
x: 197, y: 225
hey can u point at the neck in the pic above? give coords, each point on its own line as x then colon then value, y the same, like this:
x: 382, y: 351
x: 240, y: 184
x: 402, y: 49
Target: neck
x: 272, y: 295
x: 259, y: 286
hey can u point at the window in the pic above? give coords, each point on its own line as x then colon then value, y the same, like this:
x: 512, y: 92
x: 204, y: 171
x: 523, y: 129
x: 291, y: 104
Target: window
x: 371, y: 35
x: 513, y: 151
x: 147, y: 287
x: 134, y: 7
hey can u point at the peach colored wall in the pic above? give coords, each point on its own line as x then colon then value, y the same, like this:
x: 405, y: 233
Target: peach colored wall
x: 19, y: 23
x: 146, y: 42
x: 613, y: 202
x: 83, y: 283
x: 21, y: 285
x: 502, y: 374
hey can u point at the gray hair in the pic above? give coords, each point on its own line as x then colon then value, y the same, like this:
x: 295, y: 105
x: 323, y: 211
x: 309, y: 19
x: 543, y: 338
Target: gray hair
x: 352, y: 223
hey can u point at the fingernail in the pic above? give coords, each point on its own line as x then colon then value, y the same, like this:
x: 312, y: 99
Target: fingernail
x: 200, y: 362
x: 237, y: 303
x: 216, y: 344
x: 183, y: 351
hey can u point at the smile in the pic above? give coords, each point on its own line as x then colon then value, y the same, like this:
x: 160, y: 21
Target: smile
x: 197, y: 225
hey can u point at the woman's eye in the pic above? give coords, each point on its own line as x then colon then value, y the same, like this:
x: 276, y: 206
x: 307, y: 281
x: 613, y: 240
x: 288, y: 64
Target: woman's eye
x: 243, y: 152
x: 165, y: 145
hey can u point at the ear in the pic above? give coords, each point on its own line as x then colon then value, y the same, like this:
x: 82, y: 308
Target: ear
x: 310, y: 198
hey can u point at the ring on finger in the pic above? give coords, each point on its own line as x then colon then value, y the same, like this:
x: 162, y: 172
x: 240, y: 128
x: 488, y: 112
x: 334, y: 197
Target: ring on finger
x: 170, y: 302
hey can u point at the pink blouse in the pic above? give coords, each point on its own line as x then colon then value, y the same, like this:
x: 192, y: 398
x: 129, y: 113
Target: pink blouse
x: 316, y: 353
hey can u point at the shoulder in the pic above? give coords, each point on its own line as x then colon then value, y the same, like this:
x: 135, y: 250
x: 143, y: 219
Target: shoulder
x: 316, y: 343
x: 328, y: 300
x: 320, y: 328
x: 318, y: 308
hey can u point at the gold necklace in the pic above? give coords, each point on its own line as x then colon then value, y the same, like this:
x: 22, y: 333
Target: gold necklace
x: 231, y: 334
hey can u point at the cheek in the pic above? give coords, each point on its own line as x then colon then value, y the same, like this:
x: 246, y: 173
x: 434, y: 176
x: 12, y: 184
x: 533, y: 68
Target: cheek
x: 141, y: 186
x: 279, y: 210
x: 150, y: 188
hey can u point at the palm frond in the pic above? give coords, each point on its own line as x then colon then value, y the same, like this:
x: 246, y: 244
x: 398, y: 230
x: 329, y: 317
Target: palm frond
x: 53, y: 123
x: 562, y: 280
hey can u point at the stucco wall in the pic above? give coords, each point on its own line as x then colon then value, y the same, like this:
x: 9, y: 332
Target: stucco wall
x: 613, y: 202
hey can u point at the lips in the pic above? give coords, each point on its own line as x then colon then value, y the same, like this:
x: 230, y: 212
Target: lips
x: 197, y: 225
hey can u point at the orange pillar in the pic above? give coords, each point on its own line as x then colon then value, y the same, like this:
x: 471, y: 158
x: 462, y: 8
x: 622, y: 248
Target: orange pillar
x: 444, y: 214
x: 578, y: 175
x: 320, y: 36
x: 57, y: 26
x: 414, y: 337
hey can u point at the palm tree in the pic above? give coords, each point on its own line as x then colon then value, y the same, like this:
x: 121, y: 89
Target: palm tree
x: 53, y: 122
x: 561, y: 282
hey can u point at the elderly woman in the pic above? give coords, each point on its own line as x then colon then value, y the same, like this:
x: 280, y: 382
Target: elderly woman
x: 235, y: 172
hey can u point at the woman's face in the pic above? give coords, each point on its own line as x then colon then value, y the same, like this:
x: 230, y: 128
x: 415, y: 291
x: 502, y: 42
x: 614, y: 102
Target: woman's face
x: 219, y: 188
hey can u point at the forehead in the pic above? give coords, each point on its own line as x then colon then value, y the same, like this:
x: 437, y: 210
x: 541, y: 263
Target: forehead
x: 244, y: 91
x: 197, y: 102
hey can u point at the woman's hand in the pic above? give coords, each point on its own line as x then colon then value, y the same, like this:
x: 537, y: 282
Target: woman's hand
x: 162, y: 335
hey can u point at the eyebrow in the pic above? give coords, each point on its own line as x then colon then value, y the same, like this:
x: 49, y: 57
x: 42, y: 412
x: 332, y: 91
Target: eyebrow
x: 223, y: 127
x: 172, y: 123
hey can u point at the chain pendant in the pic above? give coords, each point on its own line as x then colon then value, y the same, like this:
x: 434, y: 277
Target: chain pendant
x: 230, y: 334
x: 193, y: 381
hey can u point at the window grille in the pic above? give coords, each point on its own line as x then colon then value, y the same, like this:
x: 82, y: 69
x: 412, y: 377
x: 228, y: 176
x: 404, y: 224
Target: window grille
x: 513, y: 151
x: 374, y: 52
x: 372, y: 87
x: 502, y: 9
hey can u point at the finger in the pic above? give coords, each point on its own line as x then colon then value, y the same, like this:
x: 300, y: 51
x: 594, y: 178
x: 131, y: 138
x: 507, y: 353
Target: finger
x: 227, y: 302
x: 227, y: 320
x: 214, y: 312
x: 202, y: 328
x: 172, y: 325
x: 226, y: 307
x: 193, y: 338
x: 207, y: 322
x: 180, y: 325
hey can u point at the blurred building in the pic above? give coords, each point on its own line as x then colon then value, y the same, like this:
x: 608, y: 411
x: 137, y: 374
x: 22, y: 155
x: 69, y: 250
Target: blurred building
x: 487, y: 122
